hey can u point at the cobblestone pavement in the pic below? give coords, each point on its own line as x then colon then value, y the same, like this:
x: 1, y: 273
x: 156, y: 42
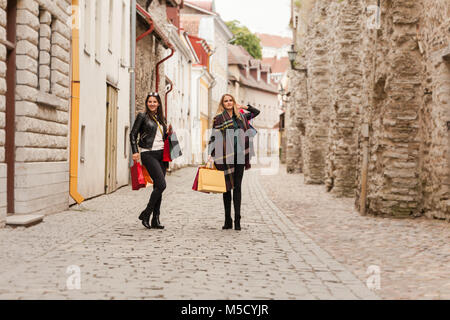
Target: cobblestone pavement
x: 270, y: 258
x: 413, y: 256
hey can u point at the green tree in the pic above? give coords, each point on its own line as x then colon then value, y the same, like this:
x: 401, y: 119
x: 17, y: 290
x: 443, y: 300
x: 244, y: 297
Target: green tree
x: 244, y: 37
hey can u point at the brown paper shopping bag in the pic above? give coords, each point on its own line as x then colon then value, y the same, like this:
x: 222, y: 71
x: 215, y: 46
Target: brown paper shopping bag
x: 211, y: 180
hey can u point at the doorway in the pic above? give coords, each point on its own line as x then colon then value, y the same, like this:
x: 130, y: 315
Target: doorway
x: 111, y: 140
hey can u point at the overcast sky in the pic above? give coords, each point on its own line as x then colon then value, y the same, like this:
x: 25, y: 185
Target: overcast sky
x: 263, y: 16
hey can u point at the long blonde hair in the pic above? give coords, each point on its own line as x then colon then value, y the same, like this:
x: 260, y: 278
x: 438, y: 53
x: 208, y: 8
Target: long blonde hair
x: 221, y: 108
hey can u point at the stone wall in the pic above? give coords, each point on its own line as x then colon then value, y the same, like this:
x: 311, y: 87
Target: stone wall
x: 42, y: 106
x: 316, y: 113
x: 149, y: 51
x: 386, y: 86
x: 433, y: 34
x: 294, y: 126
x: 346, y: 76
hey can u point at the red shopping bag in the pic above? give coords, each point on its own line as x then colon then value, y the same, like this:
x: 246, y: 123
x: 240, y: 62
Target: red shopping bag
x: 166, y: 151
x: 137, y: 177
x: 195, y: 185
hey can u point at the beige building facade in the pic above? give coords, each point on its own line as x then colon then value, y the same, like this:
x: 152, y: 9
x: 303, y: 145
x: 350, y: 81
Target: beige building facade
x: 34, y: 106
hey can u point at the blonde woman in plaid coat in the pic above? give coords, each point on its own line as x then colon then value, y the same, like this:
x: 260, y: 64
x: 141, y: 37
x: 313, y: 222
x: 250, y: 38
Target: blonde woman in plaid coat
x: 231, y: 149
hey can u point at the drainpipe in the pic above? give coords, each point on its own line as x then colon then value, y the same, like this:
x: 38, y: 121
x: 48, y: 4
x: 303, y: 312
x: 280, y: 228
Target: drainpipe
x: 364, y: 169
x: 74, y: 112
x: 133, y: 70
x: 167, y: 92
x: 365, y: 132
x: 159, y: 63
x: 150, y: 30
x: 168, y: 44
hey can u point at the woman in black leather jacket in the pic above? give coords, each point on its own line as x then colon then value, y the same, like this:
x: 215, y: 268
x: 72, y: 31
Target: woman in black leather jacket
x: 152, y: 129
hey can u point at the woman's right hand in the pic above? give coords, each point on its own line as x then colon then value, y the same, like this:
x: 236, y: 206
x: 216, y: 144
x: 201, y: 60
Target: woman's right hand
x: 135, y: 156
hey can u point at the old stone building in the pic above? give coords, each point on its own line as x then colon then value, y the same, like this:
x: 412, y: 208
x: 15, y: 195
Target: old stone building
x: 153, y: 46
x: 34, y: 106
x: 369, y: 103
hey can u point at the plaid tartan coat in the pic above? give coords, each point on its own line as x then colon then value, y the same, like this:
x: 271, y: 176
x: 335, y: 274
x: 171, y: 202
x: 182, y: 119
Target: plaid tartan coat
x: 223, y: 137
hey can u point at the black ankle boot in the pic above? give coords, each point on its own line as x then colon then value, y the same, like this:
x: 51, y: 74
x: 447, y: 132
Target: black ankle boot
x: 155, y: 222
x: 145, y: 217
x: 237, y: 223
x: 228, y: 223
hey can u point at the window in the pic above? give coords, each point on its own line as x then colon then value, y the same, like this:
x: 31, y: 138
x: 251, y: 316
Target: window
x: 124, y: 33
x: 125, y: 141
x: 87, y: 26
x: 52, y: 50
x: 98, y: 29
x: 110, y: 24
x: 83, y: 144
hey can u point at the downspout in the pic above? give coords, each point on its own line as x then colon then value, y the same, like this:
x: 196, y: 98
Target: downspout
x: 169, y: 45
x: 159, y: 63
x: 150, y: 30
x: 74, y: 110
x: 165, y: 97
x: 132, y: 70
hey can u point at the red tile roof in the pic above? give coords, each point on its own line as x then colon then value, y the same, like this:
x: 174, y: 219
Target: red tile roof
x: 238, y: 55
x: 269, y: 40
x: 205, y: 4
x: 190, y: 23
x: 278, y: 65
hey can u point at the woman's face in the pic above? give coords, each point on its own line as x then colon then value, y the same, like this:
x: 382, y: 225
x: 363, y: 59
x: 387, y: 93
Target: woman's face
x: 228, y: 103
x: 152, y: 104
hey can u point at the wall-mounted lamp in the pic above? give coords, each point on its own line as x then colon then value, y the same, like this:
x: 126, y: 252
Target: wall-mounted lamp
x: 292, y: 55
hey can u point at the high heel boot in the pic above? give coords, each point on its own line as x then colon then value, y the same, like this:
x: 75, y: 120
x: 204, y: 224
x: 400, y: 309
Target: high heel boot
x: 237, y: 222
x: 228, y: 222
x: 155, y: 221
x: 145, y: 217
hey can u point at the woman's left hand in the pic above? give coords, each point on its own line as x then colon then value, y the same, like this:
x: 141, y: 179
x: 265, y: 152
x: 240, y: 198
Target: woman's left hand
x: 169, y: 129
x: 242, y: 107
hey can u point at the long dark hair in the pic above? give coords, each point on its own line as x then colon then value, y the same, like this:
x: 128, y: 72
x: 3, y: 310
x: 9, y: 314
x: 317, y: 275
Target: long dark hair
x: 159, y: 112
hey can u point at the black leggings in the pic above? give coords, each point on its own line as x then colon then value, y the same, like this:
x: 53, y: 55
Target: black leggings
x: 237, y: 178
x: 152, y: 160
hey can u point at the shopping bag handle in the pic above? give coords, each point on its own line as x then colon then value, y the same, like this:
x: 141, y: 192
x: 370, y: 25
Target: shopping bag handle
x: 210, y: 165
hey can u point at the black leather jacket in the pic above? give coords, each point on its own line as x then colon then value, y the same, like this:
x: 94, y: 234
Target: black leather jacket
x: 145, y: 127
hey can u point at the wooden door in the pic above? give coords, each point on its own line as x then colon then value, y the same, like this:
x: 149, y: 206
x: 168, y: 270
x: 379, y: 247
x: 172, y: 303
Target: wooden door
x: 111, y: 140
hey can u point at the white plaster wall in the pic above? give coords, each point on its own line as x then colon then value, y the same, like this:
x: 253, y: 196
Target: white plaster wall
x: 178, y: 69
x: 94, y: 73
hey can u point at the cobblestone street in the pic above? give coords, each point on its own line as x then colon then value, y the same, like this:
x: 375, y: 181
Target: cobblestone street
x: 413, y: 256
x: 270, y: 258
